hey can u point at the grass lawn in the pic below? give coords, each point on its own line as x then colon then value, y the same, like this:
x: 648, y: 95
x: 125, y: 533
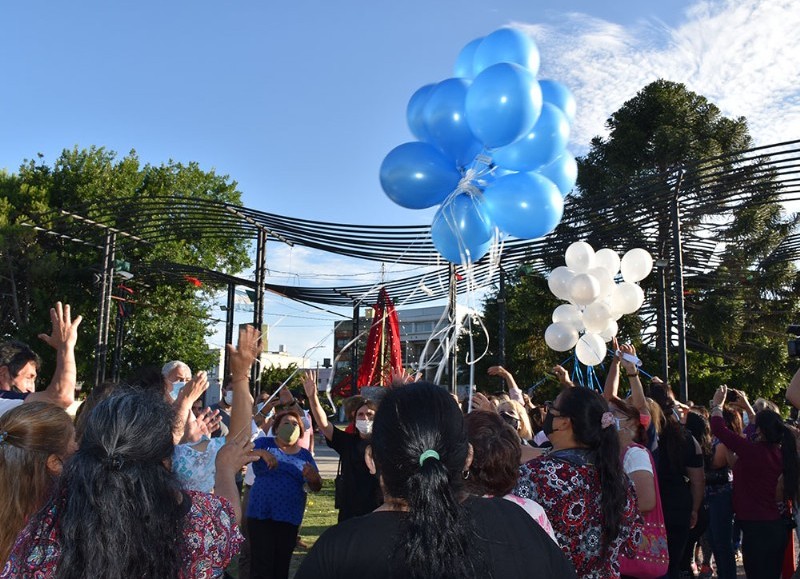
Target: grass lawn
x: 320, y: 515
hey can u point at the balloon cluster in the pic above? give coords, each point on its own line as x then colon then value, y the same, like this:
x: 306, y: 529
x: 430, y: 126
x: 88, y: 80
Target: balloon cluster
x: 596, y: 300
x: 491, y: 149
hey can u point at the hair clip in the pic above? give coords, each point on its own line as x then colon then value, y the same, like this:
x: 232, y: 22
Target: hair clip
x: 3, y: 436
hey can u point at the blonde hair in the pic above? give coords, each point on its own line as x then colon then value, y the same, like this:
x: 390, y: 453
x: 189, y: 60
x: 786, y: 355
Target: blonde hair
x: 31, y: 433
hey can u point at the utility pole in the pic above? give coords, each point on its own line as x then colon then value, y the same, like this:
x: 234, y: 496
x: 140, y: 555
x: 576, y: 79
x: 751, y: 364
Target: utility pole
x: 679, y: 297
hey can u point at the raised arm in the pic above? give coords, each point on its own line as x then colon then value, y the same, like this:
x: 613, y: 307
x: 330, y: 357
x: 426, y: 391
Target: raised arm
x: 632, y: 372
x: 310, y: 386
x: 237, y: 452
x: 62, y: 339
x: 190, y: 392
x: 611, y: 387
x: 240, y: 360
x: 514, y: 391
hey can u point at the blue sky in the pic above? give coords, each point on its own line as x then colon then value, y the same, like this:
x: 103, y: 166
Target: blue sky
x: 300, y: 101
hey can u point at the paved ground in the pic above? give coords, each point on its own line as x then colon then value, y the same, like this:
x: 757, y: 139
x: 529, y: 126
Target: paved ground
x: 327, y: 460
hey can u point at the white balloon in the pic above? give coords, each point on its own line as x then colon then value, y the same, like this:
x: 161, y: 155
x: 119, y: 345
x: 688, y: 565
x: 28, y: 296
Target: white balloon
x: 569, y: 314
x: 559, y: 280
x: 583, y: 289
x: 607, y: 259
x: 626, y: 299
x: 579, y: 257
x: 590, y: 349
x: 636, y: 265
x: 605, y: 280
x: 596, y: 317
x: 610, y: 331
x: 560, y: 337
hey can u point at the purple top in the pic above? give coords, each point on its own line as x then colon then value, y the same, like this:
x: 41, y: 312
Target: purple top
x: 755, y: 474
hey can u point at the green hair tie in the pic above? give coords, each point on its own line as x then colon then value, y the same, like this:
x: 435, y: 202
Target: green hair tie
x: 428, y: 454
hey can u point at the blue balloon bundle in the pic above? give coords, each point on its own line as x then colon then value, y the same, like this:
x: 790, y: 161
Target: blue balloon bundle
x: 491, y: 149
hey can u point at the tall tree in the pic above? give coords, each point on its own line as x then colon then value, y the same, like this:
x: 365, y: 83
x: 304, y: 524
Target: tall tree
x: 171, y: 320
x: 667, y: 143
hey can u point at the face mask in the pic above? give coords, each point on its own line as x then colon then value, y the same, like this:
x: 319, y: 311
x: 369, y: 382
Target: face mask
x: 364, y: 427
x: 547, y: 424
x: 288, y: 433
x: 229, y: 397
x: 176, y: 389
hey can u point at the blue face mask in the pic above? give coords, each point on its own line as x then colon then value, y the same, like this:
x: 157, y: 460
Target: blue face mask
x: 176, y: 389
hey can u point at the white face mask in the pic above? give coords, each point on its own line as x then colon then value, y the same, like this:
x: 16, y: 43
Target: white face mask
x: 364, y: 427
x: 176, y: 389
x: 229, y: 397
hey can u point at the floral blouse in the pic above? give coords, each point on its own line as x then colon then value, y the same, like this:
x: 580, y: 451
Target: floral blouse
x: 211, y: 540
x: 569, y: 490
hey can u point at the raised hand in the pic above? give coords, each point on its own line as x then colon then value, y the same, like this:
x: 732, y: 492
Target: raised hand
x: 195, y: 387
x: 498, y: 371
x: 482, y: 403
x: 241, y: 357
x: 237, y: 452
x: 65, y: 330
x: 310, y: 383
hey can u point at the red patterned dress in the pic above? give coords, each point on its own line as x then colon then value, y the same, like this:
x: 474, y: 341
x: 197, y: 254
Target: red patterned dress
x: 211, y: 540
x: 569, y: 491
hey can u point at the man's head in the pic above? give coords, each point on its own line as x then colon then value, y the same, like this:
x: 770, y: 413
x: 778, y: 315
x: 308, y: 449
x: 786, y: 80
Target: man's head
x: 176, y: 371
x: 19, y: 366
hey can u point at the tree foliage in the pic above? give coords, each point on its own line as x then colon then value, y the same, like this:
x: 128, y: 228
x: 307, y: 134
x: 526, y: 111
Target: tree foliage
x: 737, y: 304
x: 169, y: 321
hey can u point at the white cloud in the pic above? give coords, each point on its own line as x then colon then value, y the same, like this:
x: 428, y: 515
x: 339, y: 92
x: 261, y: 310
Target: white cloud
x: 740, y: 54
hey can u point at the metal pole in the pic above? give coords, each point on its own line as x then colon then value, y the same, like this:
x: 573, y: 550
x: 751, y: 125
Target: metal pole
x: 258, y: 303
x: 679, y: 299
x: 104, y: 310
x: 501, y: 323
x: 119, y: 340
x: 354, y: 352
x: 453, y: 362
x: 229, y: 310
x: 663, y: 326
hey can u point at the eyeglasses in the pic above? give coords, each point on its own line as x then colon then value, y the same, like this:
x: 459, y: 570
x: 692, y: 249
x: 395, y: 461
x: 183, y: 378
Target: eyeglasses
x: 550, y: 406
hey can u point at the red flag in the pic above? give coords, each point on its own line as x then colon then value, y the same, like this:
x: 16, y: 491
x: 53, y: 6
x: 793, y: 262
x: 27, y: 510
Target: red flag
x: 193, y: 280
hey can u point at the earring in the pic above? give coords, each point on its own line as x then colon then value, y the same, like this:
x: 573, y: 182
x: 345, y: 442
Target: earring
x: 465, y: 474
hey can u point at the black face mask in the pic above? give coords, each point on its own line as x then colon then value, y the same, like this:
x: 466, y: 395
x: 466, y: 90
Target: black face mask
x: 547, y: 424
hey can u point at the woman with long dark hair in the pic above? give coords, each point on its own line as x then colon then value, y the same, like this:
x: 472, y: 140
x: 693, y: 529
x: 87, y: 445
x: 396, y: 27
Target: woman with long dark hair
x: 765, y: 476
x: 118, y: 510
x: 581, y: 485
x: 428, y: 526
x: 35, y: 440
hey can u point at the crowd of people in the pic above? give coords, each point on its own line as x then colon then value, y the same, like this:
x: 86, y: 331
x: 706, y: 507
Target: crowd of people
x: 144, y: 481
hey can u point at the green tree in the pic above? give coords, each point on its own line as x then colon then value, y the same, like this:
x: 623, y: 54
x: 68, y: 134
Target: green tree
x: 170, y: 319
x: 737, y: 302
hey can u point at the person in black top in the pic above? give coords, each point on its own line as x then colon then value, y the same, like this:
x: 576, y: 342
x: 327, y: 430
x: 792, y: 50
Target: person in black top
x: 360, y: 492
x: 428, y: 526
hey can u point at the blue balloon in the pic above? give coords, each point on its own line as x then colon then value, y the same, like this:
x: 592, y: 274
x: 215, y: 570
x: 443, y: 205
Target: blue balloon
x: 541, y: 146
x: 463, y: 67
x: 557, y: 94
x: 461, y: 230
x: 525, y: 205
x: 446, y: 121
x: 418, y: 175
x: 563, y: 171
x: 415, y: 112
x: 503, y: 104
x: 506, y: 45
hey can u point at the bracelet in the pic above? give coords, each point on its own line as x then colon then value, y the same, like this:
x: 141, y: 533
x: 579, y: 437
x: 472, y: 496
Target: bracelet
x: 635, y: 375
x: 242, y: 378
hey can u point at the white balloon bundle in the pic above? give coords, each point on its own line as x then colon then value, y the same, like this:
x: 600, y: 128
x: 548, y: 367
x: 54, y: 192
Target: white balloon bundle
x: 596, y: 300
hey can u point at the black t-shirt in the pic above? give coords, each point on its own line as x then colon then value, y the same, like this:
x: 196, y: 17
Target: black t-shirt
x: 362, y: 492
x: 675, y: 490
x: 509, y: 541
